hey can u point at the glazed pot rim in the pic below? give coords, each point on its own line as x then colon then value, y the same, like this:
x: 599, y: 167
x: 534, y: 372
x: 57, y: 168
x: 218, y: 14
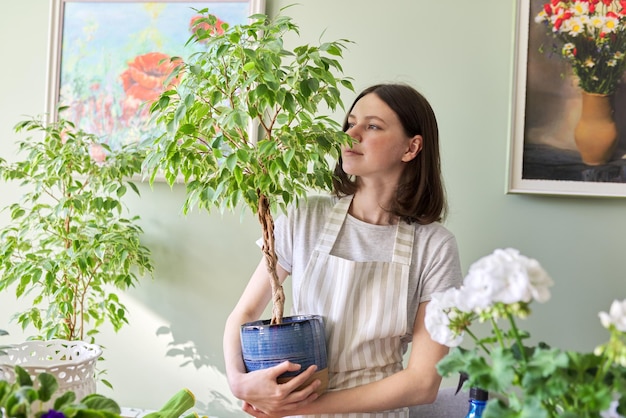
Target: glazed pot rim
x: 287, y: 321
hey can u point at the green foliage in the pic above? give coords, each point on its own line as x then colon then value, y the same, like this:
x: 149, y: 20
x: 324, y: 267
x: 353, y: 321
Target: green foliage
x: 245, y: 74
x: 538, y: 381
x: 68, y: 242
x: 244, y: 125
x: 26, y: 398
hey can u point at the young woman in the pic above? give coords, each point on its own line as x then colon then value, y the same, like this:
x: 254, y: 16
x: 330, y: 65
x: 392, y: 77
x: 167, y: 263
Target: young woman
x: 367, y: 259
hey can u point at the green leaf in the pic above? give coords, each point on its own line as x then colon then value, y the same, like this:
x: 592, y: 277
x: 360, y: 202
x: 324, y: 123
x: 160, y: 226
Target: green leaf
x: 101, y: 403
x: 231, y: 161
x: 64, y: 399
x: 238, y: 174
x: 186, y: 129
x: 22, y: 377
x: 48, y: 385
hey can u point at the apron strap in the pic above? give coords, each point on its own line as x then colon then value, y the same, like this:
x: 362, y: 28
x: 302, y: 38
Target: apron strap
x: 403, y: 245
x: 333, y: 225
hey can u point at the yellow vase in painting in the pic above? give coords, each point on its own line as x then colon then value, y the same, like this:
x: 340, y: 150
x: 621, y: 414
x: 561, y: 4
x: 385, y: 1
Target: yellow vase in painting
x: 596, y: 132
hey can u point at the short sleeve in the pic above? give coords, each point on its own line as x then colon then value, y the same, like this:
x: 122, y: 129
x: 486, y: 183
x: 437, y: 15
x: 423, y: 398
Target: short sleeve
x: 443, y: 271
x: 283, y: 232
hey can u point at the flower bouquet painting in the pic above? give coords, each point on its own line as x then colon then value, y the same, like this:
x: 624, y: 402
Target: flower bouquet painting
x: 590, y: 35
x: 112, y: 60
x: 525, y: 381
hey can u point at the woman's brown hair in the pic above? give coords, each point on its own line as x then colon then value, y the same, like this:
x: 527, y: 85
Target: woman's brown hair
x: 420, y: 196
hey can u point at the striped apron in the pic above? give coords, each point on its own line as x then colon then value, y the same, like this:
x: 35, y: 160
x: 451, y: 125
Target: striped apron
x: 364, y: 305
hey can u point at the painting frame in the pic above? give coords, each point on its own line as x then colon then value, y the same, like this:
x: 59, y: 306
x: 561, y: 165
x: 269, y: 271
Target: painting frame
x: 545, y: 109
x: 70, y: 15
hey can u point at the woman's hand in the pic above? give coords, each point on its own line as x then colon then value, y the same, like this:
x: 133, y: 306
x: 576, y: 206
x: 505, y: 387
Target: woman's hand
x: 264, y: 397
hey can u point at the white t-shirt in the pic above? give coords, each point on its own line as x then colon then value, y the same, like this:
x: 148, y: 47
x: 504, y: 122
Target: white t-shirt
x: 435, y: 264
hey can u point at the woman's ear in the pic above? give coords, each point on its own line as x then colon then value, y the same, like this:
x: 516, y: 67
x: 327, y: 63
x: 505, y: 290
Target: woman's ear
x: 415, y: 146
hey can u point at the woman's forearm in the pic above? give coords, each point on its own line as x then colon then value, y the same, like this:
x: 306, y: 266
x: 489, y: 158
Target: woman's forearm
x: 401, y: 389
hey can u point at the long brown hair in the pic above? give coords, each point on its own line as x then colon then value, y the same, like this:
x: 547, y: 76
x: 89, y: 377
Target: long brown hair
x: 420, y: 196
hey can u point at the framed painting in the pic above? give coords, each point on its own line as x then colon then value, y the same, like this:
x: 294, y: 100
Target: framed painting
x: 109, y: 59
x: 545, y: 156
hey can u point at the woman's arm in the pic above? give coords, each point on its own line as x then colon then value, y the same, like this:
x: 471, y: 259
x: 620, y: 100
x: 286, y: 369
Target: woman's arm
x: 417, y: 384
x: 259, y: 390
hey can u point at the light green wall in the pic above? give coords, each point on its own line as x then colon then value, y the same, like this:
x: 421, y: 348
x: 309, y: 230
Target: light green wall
x: 460, y: 56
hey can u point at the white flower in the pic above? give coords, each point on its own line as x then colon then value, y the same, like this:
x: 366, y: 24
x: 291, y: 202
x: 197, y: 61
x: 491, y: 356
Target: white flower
x: 541, y: 16
x: 580, y: 8
x: 437, y: 321
x: 506, y: 276
x: 462, y: 299
x: 597, y: 22
x: 616, y: 316
x: 574, y: 27
x: 611, y: 24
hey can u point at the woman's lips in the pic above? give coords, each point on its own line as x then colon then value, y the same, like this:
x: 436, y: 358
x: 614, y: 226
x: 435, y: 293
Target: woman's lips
x: 350, y: 152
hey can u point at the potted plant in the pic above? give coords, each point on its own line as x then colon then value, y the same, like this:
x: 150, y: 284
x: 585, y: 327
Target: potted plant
x: 38, y: 397
x: 245, y: 77
x: 525, y: 381
x: 68, y: 245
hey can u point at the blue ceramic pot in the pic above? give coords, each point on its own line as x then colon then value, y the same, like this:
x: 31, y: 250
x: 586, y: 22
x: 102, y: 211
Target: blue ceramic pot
x: 299, y: 339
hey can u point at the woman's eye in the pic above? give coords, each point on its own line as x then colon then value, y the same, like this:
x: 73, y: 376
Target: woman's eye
x: 350, y: 125
x: 374, y: 127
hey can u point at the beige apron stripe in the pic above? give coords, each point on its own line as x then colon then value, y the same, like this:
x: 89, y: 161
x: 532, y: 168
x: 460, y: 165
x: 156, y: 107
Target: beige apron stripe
x: 333, y: 225
x: 403, y: 247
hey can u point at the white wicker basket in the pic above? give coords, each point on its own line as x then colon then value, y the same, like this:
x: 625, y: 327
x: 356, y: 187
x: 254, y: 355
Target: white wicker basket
x: 73, y: 363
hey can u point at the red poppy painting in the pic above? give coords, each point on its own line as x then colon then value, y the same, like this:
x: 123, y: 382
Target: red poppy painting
x: 111, y: 60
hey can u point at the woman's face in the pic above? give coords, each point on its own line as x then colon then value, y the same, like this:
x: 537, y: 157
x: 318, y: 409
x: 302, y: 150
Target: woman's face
x: 381, y: 147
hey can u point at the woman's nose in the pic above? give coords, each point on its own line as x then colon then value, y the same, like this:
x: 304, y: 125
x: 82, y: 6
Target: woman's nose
x: 354, y: 132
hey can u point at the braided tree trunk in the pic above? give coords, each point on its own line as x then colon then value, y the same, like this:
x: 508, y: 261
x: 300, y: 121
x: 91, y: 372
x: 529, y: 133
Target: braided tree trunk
x: 269, y: 252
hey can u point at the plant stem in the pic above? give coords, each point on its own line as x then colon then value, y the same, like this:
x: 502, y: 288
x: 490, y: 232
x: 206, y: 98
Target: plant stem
x: 496, y: 330
x: 608, y: 357
x: 478, y: 341
x: 269, y: 252
x: 518, y: 340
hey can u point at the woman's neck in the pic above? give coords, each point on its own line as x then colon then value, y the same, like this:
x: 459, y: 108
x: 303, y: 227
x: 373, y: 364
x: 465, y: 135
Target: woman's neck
x: 371, y: 206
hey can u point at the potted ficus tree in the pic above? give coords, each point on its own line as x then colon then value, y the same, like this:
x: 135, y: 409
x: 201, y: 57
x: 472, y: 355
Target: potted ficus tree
x: 245, y: 77
x: 69, y: 245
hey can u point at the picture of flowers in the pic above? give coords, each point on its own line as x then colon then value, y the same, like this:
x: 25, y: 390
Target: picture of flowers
x: 110, y: 60
x: 569, y: 121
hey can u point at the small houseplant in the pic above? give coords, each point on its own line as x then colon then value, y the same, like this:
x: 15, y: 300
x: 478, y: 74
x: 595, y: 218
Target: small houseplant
x: 68, y: 241
x: 527, y: 381
x: 38, y: 397
x: 244, y: 126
